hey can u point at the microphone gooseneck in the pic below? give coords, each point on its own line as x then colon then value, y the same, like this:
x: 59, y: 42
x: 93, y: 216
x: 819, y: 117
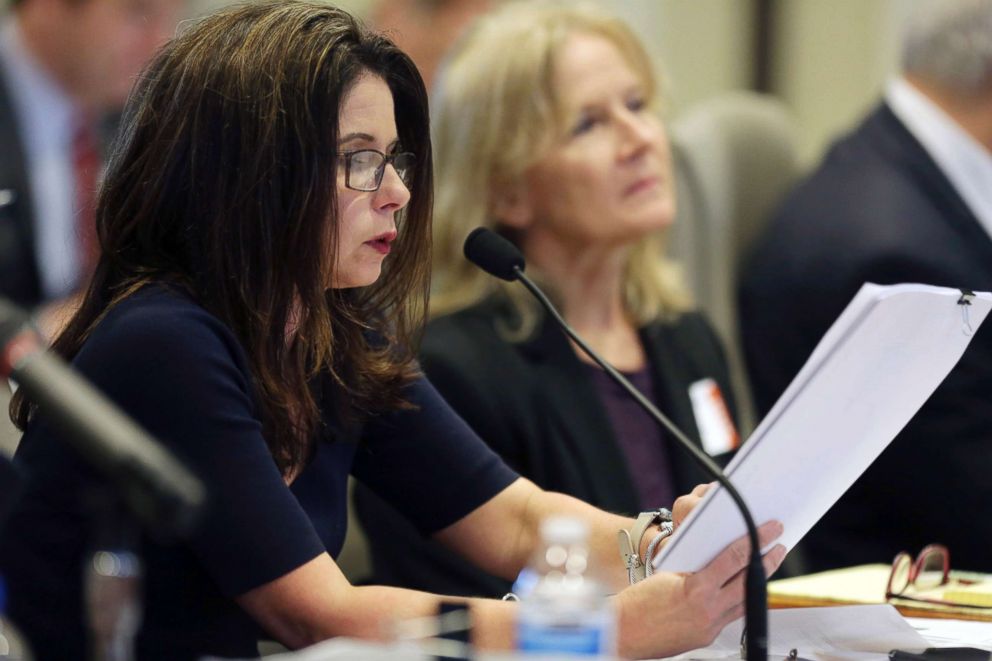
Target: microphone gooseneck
x: 497, y: 256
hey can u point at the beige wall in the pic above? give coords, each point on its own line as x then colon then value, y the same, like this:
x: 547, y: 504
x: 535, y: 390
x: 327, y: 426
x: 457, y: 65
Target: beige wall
x: 829, y: 64
x: 832, y: 60
x: 700, y: 47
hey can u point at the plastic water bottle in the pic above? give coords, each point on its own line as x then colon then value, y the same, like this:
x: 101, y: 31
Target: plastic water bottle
x: 113, y: 603
x: 12, y: 645
x: 564, y: 609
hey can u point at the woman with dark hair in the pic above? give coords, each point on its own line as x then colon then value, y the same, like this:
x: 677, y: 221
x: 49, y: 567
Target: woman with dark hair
x: 265, y: 250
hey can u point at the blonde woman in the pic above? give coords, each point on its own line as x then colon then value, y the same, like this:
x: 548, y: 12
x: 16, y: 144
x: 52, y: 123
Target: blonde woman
x: 546, y: 130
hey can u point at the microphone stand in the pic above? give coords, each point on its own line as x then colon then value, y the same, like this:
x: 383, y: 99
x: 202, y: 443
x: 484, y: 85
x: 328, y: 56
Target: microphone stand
x: 756, y: 598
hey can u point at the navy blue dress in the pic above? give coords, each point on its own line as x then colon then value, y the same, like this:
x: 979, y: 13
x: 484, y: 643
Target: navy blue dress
x: 183, y: 376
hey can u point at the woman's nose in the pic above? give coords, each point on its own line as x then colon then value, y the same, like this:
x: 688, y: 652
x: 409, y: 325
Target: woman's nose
x: 393, y: 193
x: 637, y: 133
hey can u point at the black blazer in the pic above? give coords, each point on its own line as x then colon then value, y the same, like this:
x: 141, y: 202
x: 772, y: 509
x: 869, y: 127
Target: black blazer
x: 19, y: 280
x: 879, y: 209
x: 534, y: 404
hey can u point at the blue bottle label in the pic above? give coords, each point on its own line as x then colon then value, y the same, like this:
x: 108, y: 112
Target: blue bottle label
x: 573, y: 639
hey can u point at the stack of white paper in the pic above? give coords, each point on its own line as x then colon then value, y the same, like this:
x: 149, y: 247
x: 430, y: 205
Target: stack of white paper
x: 865, y: 633
x: 871, y: 372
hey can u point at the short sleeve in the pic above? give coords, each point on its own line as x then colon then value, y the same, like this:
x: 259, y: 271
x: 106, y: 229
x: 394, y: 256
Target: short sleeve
x: 181, y: 375
x: 427, y: 462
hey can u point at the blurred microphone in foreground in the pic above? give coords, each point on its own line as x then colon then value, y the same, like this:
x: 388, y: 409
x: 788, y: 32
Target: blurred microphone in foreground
x: 159, y: 490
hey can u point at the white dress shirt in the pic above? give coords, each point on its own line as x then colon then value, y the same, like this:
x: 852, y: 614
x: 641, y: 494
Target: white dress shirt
x: 45, y: 117
x: 962, y: 159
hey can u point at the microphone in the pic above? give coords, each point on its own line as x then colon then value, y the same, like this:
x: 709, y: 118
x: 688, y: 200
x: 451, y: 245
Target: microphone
x: 163, y: 494
x: 494, y: 254
x: 497, y: 256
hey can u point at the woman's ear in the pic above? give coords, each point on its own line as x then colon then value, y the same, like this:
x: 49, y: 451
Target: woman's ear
x: 511, y: 206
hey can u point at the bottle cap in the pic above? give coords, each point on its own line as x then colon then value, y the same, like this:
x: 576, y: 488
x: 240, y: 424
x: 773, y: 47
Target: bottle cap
x: 564, y: 530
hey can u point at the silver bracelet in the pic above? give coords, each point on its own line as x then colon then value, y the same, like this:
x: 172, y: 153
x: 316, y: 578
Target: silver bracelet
x: 630, y: 542
x: 665, y: 530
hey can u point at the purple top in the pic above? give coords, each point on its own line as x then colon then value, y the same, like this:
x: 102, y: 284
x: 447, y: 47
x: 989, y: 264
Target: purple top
x: 640, y: 438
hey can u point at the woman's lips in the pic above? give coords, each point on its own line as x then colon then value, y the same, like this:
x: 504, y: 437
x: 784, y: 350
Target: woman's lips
x: 642, y: 185
x: 381, y: 243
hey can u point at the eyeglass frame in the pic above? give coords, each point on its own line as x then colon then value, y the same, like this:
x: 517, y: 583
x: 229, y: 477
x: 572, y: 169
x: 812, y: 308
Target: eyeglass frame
x: 915, y: 568
x: 380, y: 171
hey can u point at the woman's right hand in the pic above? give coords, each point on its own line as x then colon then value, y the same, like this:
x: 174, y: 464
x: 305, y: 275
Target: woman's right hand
x: 667, y: 613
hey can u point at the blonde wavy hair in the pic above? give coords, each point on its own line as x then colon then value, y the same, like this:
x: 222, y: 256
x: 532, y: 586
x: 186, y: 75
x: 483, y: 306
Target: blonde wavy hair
x: 495, y: 115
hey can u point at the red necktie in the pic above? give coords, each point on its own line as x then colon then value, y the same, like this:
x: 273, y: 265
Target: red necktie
x: 86, y: 165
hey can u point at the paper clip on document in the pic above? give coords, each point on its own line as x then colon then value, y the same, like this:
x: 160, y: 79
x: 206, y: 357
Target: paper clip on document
x: 965, y: 302
x: 793, y: 654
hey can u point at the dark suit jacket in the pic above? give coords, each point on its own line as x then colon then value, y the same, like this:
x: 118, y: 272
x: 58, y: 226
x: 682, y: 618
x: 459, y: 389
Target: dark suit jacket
x: 878, y: 209
x: 534, y: 403
x: 19, y: 280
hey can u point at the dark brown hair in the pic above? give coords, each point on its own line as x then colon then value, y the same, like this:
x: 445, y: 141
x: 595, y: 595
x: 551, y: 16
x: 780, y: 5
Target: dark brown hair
x: 223, y: 185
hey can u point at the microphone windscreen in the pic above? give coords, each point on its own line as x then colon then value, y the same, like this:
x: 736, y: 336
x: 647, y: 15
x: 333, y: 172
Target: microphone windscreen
x: 493, y: 254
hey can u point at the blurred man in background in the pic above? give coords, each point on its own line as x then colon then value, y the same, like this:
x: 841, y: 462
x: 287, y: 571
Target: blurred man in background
x: 906, y: 197
x: 65, y: 67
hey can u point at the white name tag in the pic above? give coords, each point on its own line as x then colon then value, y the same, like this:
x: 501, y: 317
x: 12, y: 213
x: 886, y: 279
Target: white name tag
x: 716, y: 427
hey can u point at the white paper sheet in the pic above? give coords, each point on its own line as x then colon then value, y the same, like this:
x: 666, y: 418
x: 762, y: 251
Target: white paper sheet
x: 954, y: 633
x: 875, y: 367
x: 864, y: 633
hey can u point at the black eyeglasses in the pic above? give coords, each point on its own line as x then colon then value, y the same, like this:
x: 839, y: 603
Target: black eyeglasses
x: 364, y: 168
x: 931, y: 569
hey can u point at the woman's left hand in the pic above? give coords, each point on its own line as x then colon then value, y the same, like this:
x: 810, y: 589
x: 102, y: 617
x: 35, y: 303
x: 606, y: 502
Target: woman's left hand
x: 685, y: 504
